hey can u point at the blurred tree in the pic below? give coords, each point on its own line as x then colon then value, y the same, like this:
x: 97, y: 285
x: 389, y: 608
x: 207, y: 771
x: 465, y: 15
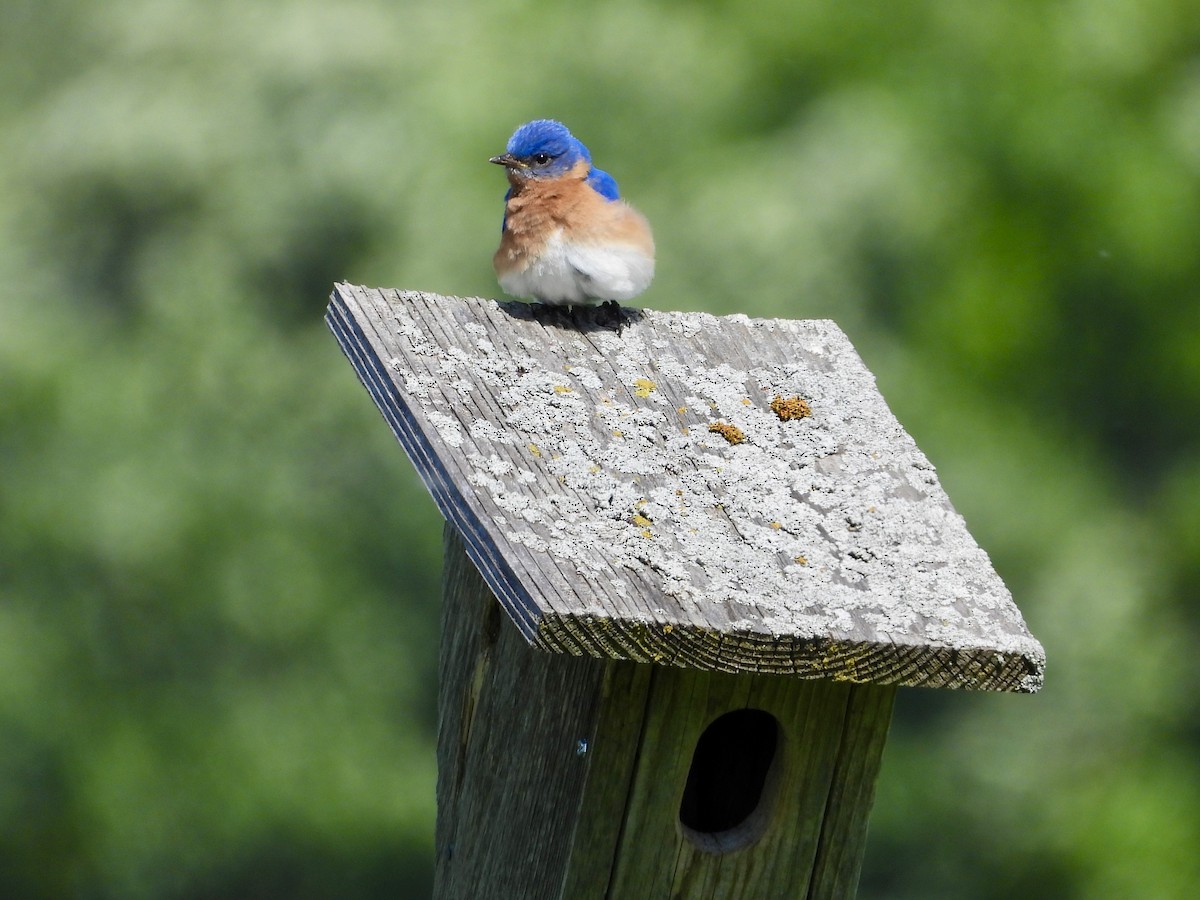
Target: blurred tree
x: 218, y: 577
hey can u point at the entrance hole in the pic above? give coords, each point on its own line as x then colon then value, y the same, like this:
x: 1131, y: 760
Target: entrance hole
x: 726, y: 801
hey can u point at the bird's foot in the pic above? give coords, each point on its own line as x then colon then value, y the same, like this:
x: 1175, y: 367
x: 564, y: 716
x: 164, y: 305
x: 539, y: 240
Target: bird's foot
x: 609, y: 315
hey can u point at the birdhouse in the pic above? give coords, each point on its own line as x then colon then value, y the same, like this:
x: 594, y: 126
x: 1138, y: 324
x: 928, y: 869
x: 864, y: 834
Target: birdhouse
x: 689, y: 559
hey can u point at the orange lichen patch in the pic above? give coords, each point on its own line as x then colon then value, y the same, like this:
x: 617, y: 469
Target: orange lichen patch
x: 791, y: 408
x: 561, y: 389
x: 776, y: 525
x: 803, y: 560
x: 535, y: 450
x: 643, y: 387
x: 731, y: 433
x: 641, y: 521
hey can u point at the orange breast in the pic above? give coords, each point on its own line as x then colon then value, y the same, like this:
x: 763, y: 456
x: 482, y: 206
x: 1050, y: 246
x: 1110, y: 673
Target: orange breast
x: 540, y: 208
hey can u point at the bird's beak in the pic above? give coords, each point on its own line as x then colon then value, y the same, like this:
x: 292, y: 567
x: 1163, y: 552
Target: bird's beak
x: 508, y: 161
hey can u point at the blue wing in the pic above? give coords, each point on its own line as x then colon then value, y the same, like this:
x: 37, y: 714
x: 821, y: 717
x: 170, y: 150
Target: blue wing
x: 603, y: 184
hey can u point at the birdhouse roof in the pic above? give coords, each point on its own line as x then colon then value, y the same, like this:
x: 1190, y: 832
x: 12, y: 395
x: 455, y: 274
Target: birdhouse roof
x: 719, y: 493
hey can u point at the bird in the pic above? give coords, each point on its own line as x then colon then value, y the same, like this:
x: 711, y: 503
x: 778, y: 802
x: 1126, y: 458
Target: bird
x: 567, y: 239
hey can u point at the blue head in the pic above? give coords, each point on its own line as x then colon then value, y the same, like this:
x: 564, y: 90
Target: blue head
x: 544, y: 148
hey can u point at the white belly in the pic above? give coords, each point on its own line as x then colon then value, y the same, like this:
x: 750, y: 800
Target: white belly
x: 567, y: 273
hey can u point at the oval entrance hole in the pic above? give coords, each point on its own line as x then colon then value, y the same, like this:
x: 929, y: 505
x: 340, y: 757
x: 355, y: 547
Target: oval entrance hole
x: 726, y: 800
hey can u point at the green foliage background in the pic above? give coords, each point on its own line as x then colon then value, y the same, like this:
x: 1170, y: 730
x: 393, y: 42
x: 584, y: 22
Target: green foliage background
x: 218, y: 574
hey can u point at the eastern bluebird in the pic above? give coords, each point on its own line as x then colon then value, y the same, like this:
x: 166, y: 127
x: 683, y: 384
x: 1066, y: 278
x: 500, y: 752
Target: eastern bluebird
x: 568, y: 237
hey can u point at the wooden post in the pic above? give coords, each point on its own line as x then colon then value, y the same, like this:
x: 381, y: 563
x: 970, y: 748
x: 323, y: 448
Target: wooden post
x: 688, y: 559
x: 563, y: 776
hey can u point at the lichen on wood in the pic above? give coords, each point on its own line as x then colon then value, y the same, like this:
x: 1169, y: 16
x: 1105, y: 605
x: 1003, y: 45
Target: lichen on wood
x: 577, y: 461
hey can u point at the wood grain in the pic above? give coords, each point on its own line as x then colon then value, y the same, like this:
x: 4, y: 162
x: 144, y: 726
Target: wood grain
x: 510, y: 775
x: 562, y: 777
x: 577, y: 462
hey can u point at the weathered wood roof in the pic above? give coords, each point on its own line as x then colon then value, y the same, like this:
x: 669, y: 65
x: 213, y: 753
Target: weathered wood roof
x: 633, y: 493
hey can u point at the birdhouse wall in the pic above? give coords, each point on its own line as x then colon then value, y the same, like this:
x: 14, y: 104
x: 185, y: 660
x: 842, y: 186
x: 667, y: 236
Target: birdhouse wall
x: 566, y: 776
x: 510, y: 777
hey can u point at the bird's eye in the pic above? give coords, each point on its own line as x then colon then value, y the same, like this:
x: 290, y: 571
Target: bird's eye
x: 541, y: 158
